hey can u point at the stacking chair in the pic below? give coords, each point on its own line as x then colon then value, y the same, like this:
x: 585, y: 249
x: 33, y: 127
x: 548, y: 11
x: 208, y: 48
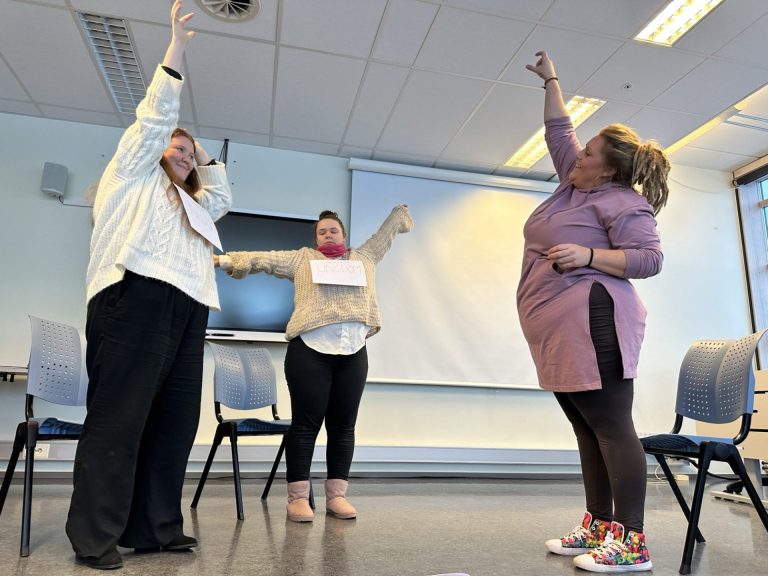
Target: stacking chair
x: 244, y: 379
x: 56, y: 374
x: 716, y: 385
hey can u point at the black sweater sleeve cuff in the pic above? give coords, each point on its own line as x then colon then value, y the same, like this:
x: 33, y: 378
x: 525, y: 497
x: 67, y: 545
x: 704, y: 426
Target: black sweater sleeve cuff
x: 172, y: 72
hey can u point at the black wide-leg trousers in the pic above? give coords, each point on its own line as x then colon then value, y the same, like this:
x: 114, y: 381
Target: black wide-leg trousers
x: 145, y: 364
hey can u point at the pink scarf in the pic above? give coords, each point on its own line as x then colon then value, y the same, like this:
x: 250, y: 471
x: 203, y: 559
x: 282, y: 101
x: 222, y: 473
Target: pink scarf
x: 332, y: 250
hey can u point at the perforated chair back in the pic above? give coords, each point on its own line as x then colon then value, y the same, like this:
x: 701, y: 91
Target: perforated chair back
x: 244, y: 378
x: 57, y: 371
x: 716, y: 382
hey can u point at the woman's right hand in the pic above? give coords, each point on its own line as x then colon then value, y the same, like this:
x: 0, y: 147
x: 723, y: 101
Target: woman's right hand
x: 215, y: 261
x: 544, y: 67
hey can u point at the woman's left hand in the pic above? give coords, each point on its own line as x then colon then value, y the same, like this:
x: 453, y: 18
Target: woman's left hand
x: 569, y: 256
x: 201, y: 156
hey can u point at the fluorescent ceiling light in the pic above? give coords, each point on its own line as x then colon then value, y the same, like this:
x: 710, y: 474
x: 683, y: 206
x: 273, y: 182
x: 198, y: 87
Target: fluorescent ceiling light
x: 579, y: 109
x: 111, y: 46
x: 675, y: 20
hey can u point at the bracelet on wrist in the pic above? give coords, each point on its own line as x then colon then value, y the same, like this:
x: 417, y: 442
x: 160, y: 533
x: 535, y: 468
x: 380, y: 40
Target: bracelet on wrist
x: 550, y: 79
x: 591, y: 256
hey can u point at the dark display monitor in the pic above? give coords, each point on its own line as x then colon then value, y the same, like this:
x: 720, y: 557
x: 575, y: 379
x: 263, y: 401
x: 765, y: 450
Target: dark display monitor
x: 257, y: 307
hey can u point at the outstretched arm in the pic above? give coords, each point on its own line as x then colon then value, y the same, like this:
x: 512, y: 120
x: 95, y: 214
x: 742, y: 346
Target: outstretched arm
x: 180, y: 37
x: 399, y: 221
x: 554, y: 107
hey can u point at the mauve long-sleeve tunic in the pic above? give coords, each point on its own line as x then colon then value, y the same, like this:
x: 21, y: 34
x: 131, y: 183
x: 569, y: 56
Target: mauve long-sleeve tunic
x: 553, y: 305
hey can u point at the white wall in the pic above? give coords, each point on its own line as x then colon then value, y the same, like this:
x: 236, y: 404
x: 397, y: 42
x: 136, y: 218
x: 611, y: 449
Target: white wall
x: 473, y: 430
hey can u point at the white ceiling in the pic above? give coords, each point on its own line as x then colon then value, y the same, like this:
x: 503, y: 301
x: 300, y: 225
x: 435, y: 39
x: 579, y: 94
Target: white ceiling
x: 429, y: 82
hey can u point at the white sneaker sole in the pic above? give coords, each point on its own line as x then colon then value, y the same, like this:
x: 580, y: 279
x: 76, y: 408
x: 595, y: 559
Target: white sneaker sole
x: 555, y: 546
x: 586, y: 562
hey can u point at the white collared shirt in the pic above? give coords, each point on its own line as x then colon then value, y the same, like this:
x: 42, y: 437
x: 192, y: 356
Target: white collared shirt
x: 342, y: 338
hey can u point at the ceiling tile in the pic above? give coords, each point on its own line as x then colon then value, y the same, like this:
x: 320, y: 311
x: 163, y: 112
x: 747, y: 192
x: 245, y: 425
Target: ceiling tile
x: 470, y: 43
x: 336, y: 26
x: 218, y: 133
x: 757, y: 103
x: 356, y: 152
x: 750, y: 45
x: 709, y: 159
x: 379, y: 91
x: 734, y: 139
x: 727, y: 20
x: 17, y: 107
x: 400, y: 158
x: 430, y: 111
x: 305, y: 145
x: 647, y: 68
x: 245, y: 69
x: 59, y: 69
x: 315, y: 93
x: 508, y: 117
x: 609, y: 113
x: 85, y: 116
x: 9, y: 86
x: 663, y: 126
x: 524, y: 9
x: 159, y: 12
x: 403, y: 30
x: 624, y: 18
x: 712, y: 87
x: 576, y: 56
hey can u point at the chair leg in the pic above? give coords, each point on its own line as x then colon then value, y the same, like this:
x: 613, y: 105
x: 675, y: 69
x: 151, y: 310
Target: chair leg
x: 678, y: 494
x: 737, y: 465
x: 218, y: 436
x: 274, y: 469
x: 26, y: 513
x: 236, y: 473
x: 705, y: 457
x: 18, y: 445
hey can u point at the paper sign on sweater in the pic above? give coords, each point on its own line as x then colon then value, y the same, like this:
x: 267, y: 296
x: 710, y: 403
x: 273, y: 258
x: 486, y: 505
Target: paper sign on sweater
x: 343, y: 272
x: 199, y: 219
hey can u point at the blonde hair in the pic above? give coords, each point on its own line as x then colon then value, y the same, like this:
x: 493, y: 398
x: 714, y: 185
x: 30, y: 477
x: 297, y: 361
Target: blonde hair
x: 636, y: 163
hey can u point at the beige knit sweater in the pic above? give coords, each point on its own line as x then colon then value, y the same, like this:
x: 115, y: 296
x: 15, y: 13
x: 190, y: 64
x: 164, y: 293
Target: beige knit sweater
x: 139, y: 221
x: 318, y: 305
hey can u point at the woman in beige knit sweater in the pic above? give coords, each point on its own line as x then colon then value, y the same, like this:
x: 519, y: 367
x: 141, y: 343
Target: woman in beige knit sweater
x: 326, y: 364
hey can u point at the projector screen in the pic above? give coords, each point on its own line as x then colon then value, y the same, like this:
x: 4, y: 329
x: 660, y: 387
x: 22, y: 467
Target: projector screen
x: 447, y: 289
x: 257, y: 307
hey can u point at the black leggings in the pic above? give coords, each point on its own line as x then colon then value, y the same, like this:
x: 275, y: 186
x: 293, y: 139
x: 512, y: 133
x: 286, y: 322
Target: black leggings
x: 612, y: 458
x: 322, y: 386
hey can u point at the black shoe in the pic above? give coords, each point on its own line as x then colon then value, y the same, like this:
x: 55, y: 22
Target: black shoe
x: 179, y: 544
x: 108, y: 561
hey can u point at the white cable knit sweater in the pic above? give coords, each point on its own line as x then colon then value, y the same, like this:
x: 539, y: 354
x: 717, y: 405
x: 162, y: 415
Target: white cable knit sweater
x: 139, y: 221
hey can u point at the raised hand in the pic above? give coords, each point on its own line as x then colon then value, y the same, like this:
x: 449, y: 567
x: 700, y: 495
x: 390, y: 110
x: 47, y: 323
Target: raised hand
x: 544, y: 67
x: 180, y: 37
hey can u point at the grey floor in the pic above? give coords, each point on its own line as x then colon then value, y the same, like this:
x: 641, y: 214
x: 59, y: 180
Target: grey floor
x: 414, y: 527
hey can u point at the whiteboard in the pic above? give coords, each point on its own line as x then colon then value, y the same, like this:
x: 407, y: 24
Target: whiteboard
x: 446, y: 290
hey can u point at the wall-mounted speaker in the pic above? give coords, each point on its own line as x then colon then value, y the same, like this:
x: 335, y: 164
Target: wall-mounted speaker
x: 54, y: 180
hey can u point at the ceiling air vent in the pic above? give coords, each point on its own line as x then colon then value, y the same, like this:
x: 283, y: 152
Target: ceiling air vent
x: 230, y: 10
x: 111, y: 46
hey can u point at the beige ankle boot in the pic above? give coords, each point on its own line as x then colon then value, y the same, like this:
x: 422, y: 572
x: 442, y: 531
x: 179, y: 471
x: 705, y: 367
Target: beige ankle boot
x: 298, y: 502
x: 336, y: 503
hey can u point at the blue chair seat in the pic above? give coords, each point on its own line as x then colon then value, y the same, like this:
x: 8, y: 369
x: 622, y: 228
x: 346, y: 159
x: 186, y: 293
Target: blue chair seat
x: 676, y: 443
x: 56, y: 427
x: 255, y: 425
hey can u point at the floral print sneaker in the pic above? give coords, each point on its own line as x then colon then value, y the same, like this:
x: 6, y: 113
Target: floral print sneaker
x: 581, y: 539
x: 619, y: 553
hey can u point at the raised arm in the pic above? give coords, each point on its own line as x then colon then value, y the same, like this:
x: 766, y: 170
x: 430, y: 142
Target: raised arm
x: 554, y: 107
x: 180, y: 37
x: 215, y: 195
x: 142, y: 144
x: 399, y: 221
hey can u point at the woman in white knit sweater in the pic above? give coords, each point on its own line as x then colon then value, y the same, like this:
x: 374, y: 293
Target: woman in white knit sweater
x: 150, y: 285
x: 326, y: 363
